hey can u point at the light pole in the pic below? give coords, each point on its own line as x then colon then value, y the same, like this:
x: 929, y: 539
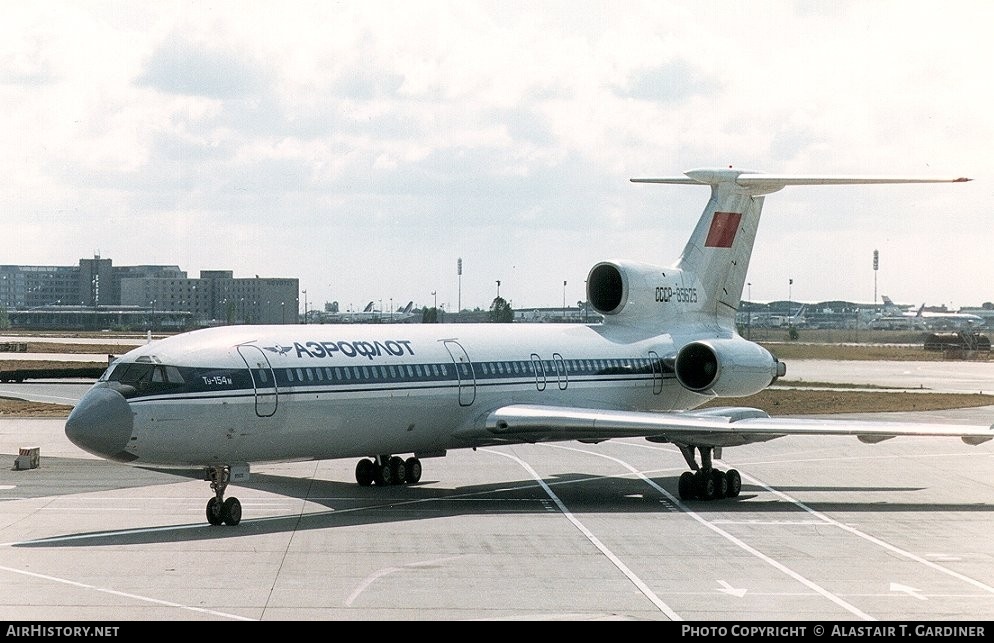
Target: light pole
x: 876, y: 265
x: 459, y: 274
x: 305, y: 306
x: 498, y: 289
x: 564, y: 300
x: 790, y: 285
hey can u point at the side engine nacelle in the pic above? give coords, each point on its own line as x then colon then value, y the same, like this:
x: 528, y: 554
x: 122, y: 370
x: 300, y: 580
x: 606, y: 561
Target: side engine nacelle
x: 727, y: 367
x: 615, y: 287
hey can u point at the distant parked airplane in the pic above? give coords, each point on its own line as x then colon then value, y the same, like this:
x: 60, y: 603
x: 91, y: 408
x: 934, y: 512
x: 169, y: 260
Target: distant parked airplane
x: 894, y: 316
x: 368, y: 314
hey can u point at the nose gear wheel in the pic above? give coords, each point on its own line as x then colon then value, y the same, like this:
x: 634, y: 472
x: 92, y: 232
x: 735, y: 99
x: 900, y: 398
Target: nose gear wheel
x: 219, y: 510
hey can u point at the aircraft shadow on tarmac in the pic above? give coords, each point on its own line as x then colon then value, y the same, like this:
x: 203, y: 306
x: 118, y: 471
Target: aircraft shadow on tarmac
x: 351, y: 505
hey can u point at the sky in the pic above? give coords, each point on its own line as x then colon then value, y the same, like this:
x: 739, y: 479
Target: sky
x: 366, y: 147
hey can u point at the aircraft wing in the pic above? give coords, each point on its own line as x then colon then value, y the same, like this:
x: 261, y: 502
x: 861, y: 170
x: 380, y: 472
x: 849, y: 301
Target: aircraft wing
x: 714, y: 427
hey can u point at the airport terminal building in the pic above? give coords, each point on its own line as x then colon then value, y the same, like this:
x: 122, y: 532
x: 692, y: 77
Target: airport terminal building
x: 95, y: 295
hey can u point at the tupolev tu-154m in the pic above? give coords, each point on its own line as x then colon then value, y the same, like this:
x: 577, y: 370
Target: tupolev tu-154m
x: 222, y: 399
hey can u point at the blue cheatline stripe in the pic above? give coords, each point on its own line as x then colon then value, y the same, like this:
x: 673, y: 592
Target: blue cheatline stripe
x: 208, y: 383
x: 383, y: 387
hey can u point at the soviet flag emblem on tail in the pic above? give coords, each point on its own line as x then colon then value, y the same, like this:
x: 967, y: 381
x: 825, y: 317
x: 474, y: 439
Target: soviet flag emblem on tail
x: 724, y: 225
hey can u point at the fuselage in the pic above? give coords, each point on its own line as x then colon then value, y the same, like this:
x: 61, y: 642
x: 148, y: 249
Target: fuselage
x: 274, y: 393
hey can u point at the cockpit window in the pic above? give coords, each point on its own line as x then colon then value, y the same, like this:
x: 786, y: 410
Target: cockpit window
x: 147, y: 378
x: 173, y: 375
x: 132, y: 373
x: 105, y: 376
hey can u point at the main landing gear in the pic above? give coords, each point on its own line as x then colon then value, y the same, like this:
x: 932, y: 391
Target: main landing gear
x: 706, y: 482
x: 220, y: 510
x: 388, y: 470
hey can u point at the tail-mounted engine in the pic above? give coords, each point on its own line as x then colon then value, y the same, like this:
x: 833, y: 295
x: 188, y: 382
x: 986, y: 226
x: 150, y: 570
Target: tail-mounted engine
x: 607, y: 288
x: 616, y: 287
x: 728, y: 367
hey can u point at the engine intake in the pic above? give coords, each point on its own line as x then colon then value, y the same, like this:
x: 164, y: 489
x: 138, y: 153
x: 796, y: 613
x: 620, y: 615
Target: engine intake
x: 607, y: 288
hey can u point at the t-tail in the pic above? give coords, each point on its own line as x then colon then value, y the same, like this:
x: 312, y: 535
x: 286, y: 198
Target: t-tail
x: 706, y: 282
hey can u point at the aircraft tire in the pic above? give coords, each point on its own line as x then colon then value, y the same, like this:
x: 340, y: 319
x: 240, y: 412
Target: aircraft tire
x: 704, y: 485
x: 384, y: 474
x: 365, y: 471
x: 734, y: 483
x: 231, y: 511
x: 214, y: 512
x: 720, y: 483
x: 398, y: 472
x: 686, y: 486
x: 413, y: 466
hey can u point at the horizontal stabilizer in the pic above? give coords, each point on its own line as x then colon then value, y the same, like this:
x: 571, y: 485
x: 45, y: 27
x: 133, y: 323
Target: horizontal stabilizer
x: 759, y: 183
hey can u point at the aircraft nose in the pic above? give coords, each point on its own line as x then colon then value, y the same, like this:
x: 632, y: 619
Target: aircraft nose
x: 101, y: 424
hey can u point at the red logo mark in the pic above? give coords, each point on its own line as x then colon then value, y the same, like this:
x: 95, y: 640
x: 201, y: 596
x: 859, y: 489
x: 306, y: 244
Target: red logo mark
x: 724, y: 225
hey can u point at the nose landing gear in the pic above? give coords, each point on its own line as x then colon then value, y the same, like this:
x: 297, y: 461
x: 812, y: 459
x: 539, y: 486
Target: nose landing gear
x: 219, y: 510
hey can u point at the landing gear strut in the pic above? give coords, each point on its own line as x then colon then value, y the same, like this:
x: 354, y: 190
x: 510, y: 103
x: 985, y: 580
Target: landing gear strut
x: 706, y: 482
x: 219, y: 510
x: 388, y: 470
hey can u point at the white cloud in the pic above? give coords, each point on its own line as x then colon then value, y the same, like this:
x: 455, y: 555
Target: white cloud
x: 364, y: 146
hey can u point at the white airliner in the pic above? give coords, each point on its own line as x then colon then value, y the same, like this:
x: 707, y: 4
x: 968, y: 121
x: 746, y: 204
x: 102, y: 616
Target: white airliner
x: 349, y: 316
x: 893, y: 315
x: 369, y: 315
x: 221, y: 399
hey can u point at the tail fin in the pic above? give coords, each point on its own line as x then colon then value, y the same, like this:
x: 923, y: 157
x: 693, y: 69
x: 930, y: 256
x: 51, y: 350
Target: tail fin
x: 716, y: 258
x: 799, y: 315
x: 368, y: 308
